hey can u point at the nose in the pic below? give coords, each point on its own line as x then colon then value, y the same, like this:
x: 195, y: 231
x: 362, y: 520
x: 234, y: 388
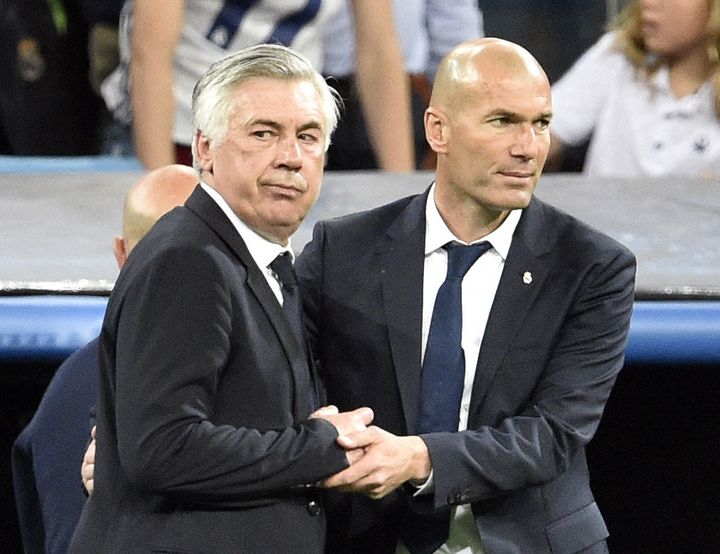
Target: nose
x: 289, y: 154
x: 525, y: 142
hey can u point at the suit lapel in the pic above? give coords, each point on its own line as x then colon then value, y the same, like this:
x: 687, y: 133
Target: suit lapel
x: 401, y: 267
x: 526, y: 261
x: 207, y: 209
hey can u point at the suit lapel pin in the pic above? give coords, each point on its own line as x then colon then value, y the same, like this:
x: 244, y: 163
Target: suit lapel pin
x: 527, y: 277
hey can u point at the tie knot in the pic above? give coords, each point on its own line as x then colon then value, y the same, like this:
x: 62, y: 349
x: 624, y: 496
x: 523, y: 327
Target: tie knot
x: 282, y: 267
x: 461, y: 257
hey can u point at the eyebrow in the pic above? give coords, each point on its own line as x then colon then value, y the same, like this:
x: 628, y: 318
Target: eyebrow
x: 278, y: 126
x: 516, y: 116
x: 311, y: 125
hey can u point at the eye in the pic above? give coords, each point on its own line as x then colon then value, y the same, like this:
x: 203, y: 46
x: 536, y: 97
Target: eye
x: 263, y: 133
x: 542, y: 123
x: 309, y: 137
x: 501, y: 121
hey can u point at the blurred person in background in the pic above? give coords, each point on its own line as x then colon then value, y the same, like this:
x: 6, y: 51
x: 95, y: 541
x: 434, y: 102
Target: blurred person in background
x: 647, y: 94
x: 427, y: 29
x: 51, y: 51
x: 166, y: 45
x: 46, y: 454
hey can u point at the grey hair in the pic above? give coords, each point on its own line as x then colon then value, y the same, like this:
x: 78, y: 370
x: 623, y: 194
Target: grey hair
x: 212, y: 95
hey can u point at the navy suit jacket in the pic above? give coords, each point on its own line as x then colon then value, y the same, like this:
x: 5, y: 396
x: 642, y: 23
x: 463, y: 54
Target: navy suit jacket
x: 203, y: 439
x: 553, y: 346
x: 47, y: 455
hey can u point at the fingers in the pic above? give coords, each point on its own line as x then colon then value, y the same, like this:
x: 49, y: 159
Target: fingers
x: 360, y: 438
x: 346, y: 422
x: 354, y: 456
x: 359, y: 420
x: 361, y: 478
x: 87, y: 471
x: 365, y: 414
x: 351, y: 475
x: 325, y: 411
x: 388, y: 462
x: 89, y: 456
x: 365, y: 478
x: 89, y: 486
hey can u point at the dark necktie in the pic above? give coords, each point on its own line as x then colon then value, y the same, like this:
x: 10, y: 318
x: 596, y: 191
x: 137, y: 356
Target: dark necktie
x: 282, y: 267
x: 443, y: 376
x: 443, y: 371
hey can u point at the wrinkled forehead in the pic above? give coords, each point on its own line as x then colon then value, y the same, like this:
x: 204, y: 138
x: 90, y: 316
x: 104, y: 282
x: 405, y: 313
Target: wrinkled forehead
x: 278, y: 99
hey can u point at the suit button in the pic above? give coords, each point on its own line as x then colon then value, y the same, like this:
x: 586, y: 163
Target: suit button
x: 313, y: 508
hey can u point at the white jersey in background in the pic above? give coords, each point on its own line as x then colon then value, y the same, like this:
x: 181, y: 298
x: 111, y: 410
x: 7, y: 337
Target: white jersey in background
x: 212, y: 30
x: 636, y: 129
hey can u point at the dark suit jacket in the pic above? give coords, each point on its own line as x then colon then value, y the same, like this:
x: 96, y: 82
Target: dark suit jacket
x: 549, y: 358
x: 203, y: 439
x: 46, y: 456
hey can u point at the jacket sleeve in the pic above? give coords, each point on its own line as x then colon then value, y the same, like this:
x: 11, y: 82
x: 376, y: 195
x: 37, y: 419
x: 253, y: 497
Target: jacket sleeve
x: 537, y: 443
x: 177, y: 330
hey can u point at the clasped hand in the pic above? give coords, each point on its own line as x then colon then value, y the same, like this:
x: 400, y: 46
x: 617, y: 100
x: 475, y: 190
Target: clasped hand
x: 380, y: 462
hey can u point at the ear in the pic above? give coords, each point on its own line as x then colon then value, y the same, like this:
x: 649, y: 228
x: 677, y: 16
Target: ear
x: 436, y: 130
x: 120, y: 250
x: 203, y: 152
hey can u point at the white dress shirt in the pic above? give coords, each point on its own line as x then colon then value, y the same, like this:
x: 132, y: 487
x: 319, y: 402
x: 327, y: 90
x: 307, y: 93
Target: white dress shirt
x: 263, y: 251
x: 478, y: 293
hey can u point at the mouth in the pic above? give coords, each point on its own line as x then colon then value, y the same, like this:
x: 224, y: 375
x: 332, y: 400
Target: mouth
x: 521, y: 176
x: 286, y: 190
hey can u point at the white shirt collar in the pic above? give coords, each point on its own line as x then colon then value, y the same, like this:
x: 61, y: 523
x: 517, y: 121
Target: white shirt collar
x: 437, y: 233
x: 262, y: 250
x: 699, y: 101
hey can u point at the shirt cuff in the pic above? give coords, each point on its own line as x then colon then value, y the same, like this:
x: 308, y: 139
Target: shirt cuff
x: 428, y: 487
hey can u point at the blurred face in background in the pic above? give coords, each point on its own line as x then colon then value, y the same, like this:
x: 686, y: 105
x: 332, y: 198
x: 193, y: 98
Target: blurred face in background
x: 675, y: 28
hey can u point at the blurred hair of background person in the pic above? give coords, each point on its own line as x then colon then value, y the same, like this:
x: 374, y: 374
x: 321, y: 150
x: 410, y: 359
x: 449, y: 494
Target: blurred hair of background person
x: 647, y: 93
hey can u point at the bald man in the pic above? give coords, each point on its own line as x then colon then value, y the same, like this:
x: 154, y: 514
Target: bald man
x: 155, y: 194
x: 47, y: 454
x: 488, y: 385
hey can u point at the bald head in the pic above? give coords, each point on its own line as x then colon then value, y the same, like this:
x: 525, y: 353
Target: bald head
x: 155, y: 194
x: 479, y: 61
x: 488, y: 122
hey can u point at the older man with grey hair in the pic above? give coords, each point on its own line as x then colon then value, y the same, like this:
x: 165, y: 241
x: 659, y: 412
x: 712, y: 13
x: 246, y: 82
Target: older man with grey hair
x: 211, y: 433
